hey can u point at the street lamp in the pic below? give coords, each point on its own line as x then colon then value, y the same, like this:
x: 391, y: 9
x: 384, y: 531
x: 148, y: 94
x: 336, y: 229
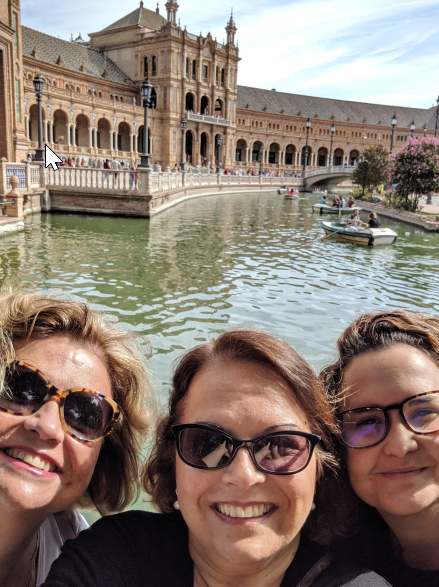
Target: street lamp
x: 261, y: 154
x: 219, y: 142
x: 183, y: 123
x: 394, y: 123
x: 146, y: 95
x: 437, y: 114
x: 332, y: 138
x: 412, y: 127
x: 38, y: 85
x: 308, y: 126
x: 366, y: 168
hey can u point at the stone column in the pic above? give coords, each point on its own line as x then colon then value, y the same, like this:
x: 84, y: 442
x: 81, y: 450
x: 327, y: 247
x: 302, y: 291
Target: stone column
x: 112, y: 140
x: 90, y: 137
x: 74, y: 135
x: 131, y: 142
x: 27, y: 127
x: 52, y: 138
x: 116, y: 135
x: 68, y: 134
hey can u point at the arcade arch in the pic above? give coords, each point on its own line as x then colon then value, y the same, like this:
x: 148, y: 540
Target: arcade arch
x: 322, y: 157
x: 290, y: 155
x: 189, y: 106
x: 256, y: 155
x: 241, y: 151
x: 204, y: 106
x: 338, y: 157
x: 123, y: 137
x: 354, y: 156
x: 273, y: 153
x: 82, y: 136
x: 104, y: 137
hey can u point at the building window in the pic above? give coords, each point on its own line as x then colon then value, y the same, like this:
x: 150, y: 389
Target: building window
x: 165, y: 97
x: 15, y: 27
x: 187, y: 66
x: 238, y: 155
x: 145, y: 67
x: 205, y: 71
x: 222, y: 77
x: 194, y: 69
x: 154, y: 66
x: 18, y: 100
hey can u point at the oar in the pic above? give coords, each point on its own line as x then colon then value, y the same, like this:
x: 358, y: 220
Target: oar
x: 328, y: 235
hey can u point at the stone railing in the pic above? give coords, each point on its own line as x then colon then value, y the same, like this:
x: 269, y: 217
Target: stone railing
x: 30, y: 176
x: 207, y: 118
x: 81, y: 177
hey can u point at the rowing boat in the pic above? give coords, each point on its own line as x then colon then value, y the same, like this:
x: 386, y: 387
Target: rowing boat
x: 325, y: 209
x: 318, y: 193
x: 371, y: 237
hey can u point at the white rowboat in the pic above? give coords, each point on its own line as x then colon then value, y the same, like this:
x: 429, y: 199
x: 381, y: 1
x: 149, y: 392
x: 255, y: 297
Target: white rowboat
x: 371, y: 237
x: 325, y: 209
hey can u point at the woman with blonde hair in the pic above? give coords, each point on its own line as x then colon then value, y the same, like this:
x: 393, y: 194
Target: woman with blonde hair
x: 73, y: 415
x: 386, y: 387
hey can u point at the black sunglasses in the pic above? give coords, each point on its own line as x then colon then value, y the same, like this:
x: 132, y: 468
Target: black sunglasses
x: 368, y: 426
x: 278, y: 453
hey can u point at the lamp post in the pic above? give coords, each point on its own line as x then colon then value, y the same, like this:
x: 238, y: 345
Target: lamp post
x: 219, y: 142
x: 261, y: 154
x: 437, y: 114
x: 146, y: 95
x: 38, y: 85
x: 308, y: 126
x: 332, y: 138
x: 366, y: 168
x: 394, y: 123
x: 183, y: 123
x: 412, y: 127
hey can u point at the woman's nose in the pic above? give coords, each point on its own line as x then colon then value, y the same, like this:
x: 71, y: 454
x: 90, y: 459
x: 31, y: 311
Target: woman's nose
x: 242, y: 472
x: 399, y: 439
x: 46, y: 422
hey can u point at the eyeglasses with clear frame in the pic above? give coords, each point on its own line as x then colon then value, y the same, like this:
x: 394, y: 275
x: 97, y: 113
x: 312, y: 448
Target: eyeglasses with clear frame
x: 278, y: 453
x: 368, y: 426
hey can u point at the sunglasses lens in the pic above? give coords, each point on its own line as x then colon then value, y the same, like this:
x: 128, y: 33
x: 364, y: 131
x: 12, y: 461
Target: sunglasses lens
x: 23, y: 389
x: 284, y: 453
x: 422, y: 413
x: 364, y: 427
x: 87, y: 415
x: 205, y: 448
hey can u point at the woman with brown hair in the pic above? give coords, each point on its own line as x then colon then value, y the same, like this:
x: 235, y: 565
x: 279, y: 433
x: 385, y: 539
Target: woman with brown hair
x: 386, y: 386
x: 72, y: 419
x: 237, y: 471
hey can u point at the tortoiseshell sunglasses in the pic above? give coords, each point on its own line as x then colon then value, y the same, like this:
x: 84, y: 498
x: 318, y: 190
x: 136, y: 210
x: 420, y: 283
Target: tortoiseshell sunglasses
x: 86, y: 415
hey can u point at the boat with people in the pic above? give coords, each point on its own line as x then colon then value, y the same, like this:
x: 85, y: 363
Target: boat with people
x: 319, y: 192
x: 292, y: 195
x: 288, y: 192
x: 325, y: 209
x: 369, y: 237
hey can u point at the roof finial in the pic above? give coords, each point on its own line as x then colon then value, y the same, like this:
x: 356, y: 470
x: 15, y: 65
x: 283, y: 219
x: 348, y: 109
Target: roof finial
x: 158, y: 8
x: 141, y: 3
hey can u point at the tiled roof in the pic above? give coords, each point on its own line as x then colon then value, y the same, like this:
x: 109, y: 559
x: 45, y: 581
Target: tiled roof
x: 326, y: 108
x: 139, y: 17
x: 49, y: 49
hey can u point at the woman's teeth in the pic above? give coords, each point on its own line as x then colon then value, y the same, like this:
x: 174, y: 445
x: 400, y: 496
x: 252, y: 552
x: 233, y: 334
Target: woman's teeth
x: 248, y: 512
x: 33, y: 460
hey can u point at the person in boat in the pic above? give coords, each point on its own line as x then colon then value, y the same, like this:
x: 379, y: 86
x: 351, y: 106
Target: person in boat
x: 323, y: 201
x: 374, y: 221
x: 342, y: 202
x: 354, y: 221
x: 351, y: 202
x: 62, y: 448
x: 233, y: 511
x: 385, y: 386
x: 336, y: 202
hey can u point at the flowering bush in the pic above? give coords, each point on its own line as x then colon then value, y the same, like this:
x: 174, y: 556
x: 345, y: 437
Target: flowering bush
x: 415, y: 171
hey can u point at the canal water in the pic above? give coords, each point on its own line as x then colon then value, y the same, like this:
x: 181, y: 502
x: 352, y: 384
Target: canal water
x: 215, y: 262
x: 228, y: 260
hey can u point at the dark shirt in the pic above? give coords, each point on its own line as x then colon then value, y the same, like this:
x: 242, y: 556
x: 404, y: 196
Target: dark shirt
x: 374, y: 223
x: 141, y: 549
x: 371, y: 547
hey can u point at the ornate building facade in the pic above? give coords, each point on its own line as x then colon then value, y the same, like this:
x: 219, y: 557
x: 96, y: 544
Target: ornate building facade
x: 92, y: 105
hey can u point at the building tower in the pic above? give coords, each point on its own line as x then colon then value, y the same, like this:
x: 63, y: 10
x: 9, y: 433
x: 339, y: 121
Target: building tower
x: 231, y: 31
x: 171, y: 9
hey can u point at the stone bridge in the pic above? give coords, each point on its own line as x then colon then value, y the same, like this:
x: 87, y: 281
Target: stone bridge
x: 330, y: 177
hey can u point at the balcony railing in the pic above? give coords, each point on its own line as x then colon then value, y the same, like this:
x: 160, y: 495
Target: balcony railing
x: 207, y: 118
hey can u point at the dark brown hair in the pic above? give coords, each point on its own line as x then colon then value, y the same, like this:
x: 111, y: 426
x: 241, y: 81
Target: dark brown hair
x: 25, y: 316
x: 250, y: 346
x: 371, y: 332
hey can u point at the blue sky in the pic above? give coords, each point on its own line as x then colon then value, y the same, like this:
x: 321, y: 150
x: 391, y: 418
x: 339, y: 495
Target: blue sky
x: 385, y: 52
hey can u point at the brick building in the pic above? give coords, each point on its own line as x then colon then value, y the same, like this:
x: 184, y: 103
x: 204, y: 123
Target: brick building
x: 92, y: 106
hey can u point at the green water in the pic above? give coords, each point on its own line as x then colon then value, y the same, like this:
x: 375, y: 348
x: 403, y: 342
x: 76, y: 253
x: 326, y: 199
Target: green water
x: 214, y: 262
x: 211, y: 263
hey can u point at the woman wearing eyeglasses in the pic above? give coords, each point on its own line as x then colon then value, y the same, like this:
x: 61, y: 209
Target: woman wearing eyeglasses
x: 72, y: 417
x: 386, y: 382
x: 237, y: 471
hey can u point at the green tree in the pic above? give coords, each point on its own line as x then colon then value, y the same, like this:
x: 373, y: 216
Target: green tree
x: 415, y: 171
x: 372, y: 170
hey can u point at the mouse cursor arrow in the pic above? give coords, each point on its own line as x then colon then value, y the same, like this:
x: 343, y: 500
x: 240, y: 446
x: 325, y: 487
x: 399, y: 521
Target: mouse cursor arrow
x: 52, y: 159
